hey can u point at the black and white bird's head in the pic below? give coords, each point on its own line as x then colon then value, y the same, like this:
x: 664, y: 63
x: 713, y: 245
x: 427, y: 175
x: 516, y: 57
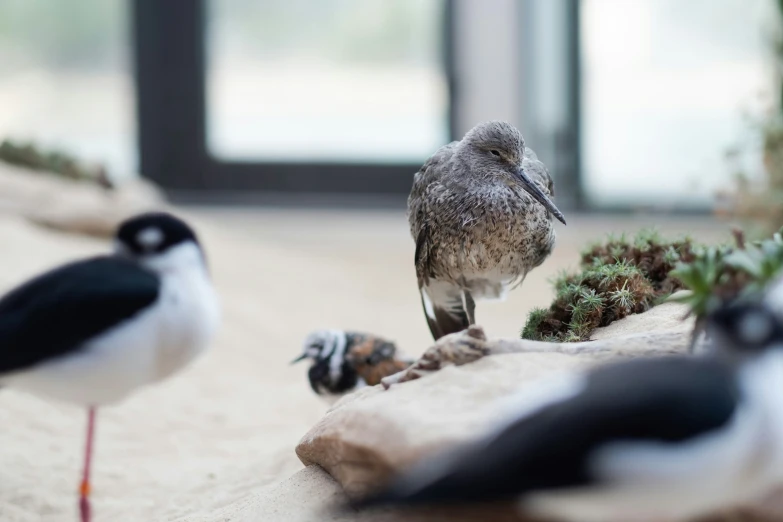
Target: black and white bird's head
x: 330, y: 373
x: 321, y: 345
x: 344, y: 361
x: 159, y: 241
x: 496, y: 150
x: 744, y: 329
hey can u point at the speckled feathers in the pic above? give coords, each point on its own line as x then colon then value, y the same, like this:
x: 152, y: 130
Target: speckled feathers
x: 477, y: 229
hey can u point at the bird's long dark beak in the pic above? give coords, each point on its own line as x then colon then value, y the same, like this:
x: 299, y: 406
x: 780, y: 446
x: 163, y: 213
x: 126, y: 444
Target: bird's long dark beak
x: 300, y: 358
x: 539, y: 195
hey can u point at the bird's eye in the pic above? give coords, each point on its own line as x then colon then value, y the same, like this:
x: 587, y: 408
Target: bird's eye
x: 496, y: 153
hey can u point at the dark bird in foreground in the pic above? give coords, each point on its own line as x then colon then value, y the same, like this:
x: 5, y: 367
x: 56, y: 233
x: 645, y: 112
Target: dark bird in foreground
x: 650, y: 439
x: 480, y: 213
x: 92, y: 331
x: 346, y: 361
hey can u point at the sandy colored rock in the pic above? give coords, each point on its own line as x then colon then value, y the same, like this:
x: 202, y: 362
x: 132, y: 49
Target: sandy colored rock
x: 370, y: 435
x: 373, y: 433
x: 668, y: 317
x: 74, y: 206
x: 311, y: 495
x: 662, y: 330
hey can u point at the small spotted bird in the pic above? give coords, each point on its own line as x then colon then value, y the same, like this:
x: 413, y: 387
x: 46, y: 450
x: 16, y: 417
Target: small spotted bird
x: 345, y: 361
x: 480, y: 212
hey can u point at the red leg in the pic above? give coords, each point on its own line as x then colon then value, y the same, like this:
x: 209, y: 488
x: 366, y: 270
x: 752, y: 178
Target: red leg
x: 84, y: 489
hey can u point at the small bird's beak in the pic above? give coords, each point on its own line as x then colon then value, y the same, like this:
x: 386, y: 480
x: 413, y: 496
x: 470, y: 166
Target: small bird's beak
x: 300, y: 358
x: 539, y: 195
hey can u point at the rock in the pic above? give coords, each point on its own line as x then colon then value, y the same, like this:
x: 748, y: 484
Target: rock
x: 668, y: 317
x: 658, y: 331
x: 454, y: 349
x: 302, y: 497
x: 74, y: 206
x: 374, y: 433
x: 311, y: 494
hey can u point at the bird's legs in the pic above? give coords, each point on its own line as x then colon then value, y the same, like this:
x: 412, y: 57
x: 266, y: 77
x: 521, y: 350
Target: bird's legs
x: 84, y: 488
x: 470, y: 306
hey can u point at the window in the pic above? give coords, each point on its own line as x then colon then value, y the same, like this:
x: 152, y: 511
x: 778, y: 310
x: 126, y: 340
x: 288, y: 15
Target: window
x: 666, y: 86
x: 65, y: 81
x: 343, y: 81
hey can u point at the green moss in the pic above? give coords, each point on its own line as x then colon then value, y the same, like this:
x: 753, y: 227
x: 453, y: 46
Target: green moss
x: 534, y: 319
x: 671, y: 256
x: 623, y: 298
x: 617, y: 278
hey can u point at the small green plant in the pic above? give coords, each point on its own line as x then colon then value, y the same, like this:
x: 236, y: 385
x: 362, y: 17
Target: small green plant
x: 534, y: 320
x: 617, y: 278
x: 623, y: 277
x: 720, y: 274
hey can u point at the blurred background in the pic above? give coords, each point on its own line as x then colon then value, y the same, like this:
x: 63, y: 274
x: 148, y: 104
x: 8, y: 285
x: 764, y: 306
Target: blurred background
x: 643, y: 104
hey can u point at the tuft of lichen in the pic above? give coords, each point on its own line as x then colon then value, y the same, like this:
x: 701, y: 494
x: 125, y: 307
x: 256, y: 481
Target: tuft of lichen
x: 618, y: 277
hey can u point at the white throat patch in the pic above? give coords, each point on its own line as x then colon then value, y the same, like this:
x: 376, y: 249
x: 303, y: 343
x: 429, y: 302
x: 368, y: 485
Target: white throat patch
x: 183, y: 256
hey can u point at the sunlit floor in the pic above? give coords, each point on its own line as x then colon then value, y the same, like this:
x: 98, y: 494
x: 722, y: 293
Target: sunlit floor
x: 204, y: 445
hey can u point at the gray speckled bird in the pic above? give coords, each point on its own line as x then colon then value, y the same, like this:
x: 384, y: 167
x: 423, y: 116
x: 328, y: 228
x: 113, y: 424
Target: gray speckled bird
x: 480, y: 214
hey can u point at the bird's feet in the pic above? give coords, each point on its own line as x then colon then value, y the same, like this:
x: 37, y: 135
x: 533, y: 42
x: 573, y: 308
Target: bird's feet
x: 454, y: 349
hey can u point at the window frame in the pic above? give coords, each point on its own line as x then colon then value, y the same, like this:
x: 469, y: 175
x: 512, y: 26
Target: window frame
x: 170, y: 72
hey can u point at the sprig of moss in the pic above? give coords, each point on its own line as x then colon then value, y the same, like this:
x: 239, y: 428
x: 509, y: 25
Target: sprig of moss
x: 617, y: 278
x: 623, y: 277
x: 534, y: 320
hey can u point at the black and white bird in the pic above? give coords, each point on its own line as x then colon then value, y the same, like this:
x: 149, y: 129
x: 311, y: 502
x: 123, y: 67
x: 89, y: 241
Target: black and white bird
x: 343, y: 362
x: 92, y: 331
x: 656, y: 439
